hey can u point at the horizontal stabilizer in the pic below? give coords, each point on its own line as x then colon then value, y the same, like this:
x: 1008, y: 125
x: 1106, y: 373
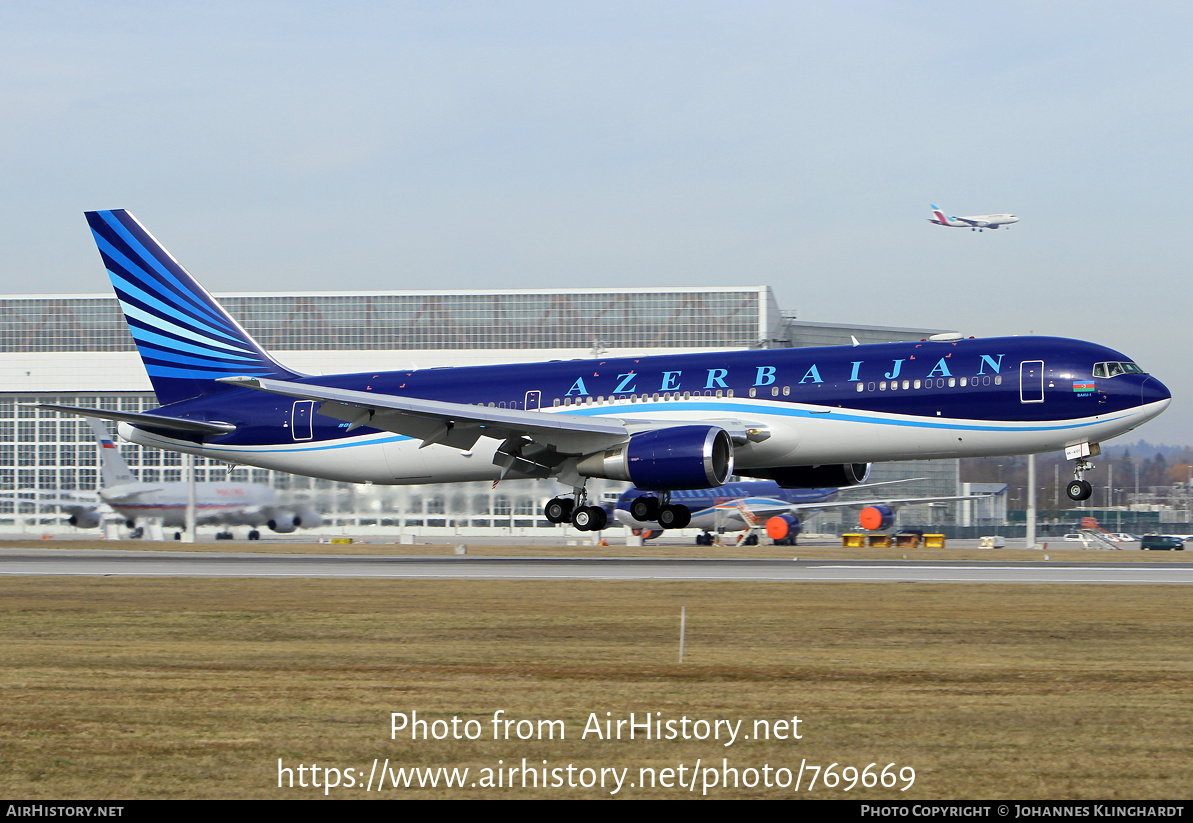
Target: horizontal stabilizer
x: 151, y: 421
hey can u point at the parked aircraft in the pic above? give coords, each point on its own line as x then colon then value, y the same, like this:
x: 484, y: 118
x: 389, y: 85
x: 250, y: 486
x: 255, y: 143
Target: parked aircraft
x: 223, y: 504
x: 757, y: 503
x: 805, y: 418
x: 977, y: 222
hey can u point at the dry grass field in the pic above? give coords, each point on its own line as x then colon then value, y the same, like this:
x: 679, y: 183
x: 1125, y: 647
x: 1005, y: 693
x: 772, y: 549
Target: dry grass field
x: 180, y: 688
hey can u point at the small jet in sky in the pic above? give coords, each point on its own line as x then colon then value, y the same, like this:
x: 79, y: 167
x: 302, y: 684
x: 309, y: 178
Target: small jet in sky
x: 225, y: 504
x: 977, y: 222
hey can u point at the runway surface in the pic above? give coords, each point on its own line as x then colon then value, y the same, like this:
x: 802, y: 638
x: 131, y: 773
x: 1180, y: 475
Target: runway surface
x: 201, y: 564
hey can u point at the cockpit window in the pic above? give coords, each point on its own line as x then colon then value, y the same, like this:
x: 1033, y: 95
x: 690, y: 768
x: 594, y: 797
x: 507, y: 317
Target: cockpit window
x: 1115, y: 369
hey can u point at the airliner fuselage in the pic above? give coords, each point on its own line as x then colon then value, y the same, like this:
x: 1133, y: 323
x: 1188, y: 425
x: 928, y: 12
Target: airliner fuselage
x: 896, y: 401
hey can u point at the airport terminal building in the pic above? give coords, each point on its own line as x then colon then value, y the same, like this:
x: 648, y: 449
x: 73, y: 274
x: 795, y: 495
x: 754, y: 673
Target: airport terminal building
x: 76, y: 350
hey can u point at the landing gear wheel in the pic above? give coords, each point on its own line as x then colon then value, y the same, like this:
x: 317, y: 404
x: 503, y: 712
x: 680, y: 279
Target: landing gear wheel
x: 254, y: 535
x: 645, y: 509
x: 559, y: 509
x: 674, y: 516
x: 589, y: 519
x: 1079, y: 490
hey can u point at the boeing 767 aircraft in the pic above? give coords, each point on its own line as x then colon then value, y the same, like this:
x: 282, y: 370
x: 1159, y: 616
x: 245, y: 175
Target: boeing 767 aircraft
x: 805, y: 418
x: 976, y: 223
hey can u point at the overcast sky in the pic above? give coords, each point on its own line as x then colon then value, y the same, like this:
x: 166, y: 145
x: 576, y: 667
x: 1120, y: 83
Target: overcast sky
x: 462, y: 145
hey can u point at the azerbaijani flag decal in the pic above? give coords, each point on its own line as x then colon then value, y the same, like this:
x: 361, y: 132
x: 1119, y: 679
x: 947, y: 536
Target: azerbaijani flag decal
x: 1083, y: 386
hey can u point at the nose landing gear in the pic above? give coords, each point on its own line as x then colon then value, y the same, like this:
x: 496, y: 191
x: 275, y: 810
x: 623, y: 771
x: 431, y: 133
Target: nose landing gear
x: 1080, y: 489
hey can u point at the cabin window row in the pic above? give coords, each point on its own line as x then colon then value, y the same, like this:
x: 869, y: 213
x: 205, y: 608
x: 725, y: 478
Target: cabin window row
x: 775, y: 391
x: 639, y: 398
x: 932, y: 383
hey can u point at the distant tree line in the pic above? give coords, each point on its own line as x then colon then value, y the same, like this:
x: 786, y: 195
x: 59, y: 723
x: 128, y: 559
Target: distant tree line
x: 1129, y: 469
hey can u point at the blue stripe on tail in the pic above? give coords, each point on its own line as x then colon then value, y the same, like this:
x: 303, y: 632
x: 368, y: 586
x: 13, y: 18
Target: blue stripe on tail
x: 185, y: 338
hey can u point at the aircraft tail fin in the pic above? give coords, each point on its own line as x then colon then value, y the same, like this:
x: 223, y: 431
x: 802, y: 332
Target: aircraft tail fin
x: 939, y: 215
x: 186, y: 339
x: 114, y: 471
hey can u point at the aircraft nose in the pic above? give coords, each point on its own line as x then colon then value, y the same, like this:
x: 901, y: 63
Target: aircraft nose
x: 1153, y: 391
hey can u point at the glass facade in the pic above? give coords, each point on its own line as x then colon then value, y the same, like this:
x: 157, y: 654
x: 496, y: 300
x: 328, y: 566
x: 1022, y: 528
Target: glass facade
x: 424, y: 320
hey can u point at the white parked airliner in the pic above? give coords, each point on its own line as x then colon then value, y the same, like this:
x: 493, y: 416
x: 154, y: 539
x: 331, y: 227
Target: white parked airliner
x: 223, y: 504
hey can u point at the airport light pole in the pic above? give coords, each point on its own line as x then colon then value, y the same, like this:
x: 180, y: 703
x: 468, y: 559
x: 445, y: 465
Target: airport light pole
x: 188, y: 535
x: 1030, y: 542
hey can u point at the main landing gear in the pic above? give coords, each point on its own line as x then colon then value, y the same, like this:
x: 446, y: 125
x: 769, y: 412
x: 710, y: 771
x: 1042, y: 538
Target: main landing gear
x: 645, y: 509
x: 668, y: 515
x: 1080, y: 489
x: 584, y: 518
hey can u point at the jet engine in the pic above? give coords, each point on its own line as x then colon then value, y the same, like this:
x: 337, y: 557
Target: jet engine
x: 876, y: 517
x: 815, y: 477
x: 84, y: 519
x: 783, y: 528
x: 285, y: 523
x: 681, y: 457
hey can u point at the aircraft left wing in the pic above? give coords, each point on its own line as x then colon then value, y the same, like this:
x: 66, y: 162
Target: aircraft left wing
x: 453, y: 424
x: 52, y: 498
x: 886, y: 501
x: 761, y: 509
x: 535, y: 443
x: 85, y: 509
x: 460, y: 425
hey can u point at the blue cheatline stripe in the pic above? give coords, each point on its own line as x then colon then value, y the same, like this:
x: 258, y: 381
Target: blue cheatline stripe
x: 834, y: 415
x: 138, y: 325
x: 148, y: 338
x: 125, y: 288
x: 114, y: 258
x: 154, y: 336
x: 177, y: 359
x: 134, y: 269
x: 186, y: 291
x: 155, y: 370
x: 155, y: 322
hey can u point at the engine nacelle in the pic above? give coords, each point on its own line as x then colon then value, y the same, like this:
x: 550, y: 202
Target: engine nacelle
x: 876, y: 517
x: 681, y: 457
x: 783, y: 527
x: 815, y: 477
x: 84, y: 519
x: 285, y: 523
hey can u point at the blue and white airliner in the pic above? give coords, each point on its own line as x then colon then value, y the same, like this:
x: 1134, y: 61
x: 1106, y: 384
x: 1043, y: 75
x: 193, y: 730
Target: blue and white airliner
x: 805, y: 418
x: 752, y: 504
